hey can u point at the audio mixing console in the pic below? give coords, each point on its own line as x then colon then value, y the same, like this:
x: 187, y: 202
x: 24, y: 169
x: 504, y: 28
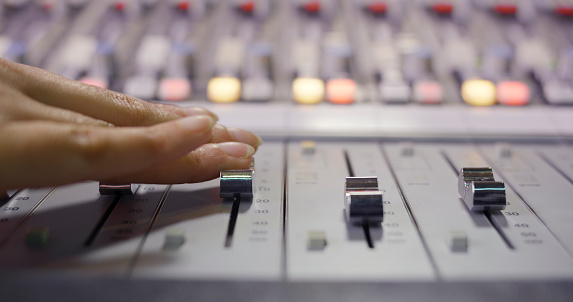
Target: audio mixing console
x: 381, y: 121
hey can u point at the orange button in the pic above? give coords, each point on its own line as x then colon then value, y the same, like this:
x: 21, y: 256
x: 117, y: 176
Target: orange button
x: 341, y: 91
x: 512, y: 93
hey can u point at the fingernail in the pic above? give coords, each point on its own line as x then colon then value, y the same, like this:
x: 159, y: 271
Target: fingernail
x: 237, y: 149
x: 245, y: 136
x: 192, y: 111
x: 199, y: 123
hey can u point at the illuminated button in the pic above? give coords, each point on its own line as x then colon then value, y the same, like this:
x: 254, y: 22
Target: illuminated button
x: 308, y: 90
x: 99, y: 82
x: 564, y: 10
x: 458, y: 241
x: 478, y: 92
x: 378, y: 7
x: 512, y: 93
x: 442, y: 7
x: 37, y: 237
x: 247, y: 6
x: 257, y: 89
x: 174, y: 89
x: 505, y: 9
x: 143, y: 87
x: 316, y: 240
x: 311, y: 6
x: 182, y: 5
x: 427, y: 92
x: 119, y: 5
x: 340, y: 91
x: 224, y: 89
x: 174, y: 239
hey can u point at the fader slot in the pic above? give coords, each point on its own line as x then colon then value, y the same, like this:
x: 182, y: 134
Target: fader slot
x: 20, y: 206
x: 430, y: 188
x: 547, y: 196
x: 486, y: 212
x: 315, y: 214
x: 57, y: 228
x: 194, y: 220
x: 528, y: 235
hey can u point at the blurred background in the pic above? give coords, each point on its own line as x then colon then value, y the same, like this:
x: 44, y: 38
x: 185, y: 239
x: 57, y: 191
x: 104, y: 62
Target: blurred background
x: 318, y: 68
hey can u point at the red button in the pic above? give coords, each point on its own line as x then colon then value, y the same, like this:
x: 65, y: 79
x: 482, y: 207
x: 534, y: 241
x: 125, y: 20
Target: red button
x: 312, y: 6
x: 512, y: 93
x: 564, y: 10
x: 378, y: 7
x: 442, y: 7
x: 247, y: 6
x: 183, y: 5
x: 120, y: 5
x: 505, y: 9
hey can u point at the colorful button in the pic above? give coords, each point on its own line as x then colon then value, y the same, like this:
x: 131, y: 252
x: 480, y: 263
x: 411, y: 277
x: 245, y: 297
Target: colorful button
x: 378, y: 7
x: 512, y: 93
x: 505, y: 9
x: 224, y: 90
x: 99, y: 82
x: 311, y: 6
x: 341, y: 91
x: 174, y: 89
x: 479, y: 93
x: 308, y: 90
x: 442, y: 7
x: 427, y: 92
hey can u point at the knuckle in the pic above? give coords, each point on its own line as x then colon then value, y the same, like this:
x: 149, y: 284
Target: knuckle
x: 90, y: 146
x: 136, y: 113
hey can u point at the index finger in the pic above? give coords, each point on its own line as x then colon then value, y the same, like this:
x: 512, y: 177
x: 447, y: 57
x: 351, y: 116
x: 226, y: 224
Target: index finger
x: 103, y: 104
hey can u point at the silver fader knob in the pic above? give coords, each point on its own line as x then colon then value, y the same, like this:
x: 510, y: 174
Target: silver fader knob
x: 479, y: 190
x: 237, y: 183
x: 363, y: 200
x: 117, y: 189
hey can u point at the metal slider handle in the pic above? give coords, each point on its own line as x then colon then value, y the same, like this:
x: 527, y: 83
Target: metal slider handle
x: 235, y: 183
x: 363, y: 200
x: 479, y: 190
x: 117, y: 189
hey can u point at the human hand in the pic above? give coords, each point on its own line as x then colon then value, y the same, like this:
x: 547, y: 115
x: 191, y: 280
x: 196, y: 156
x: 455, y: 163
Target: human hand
x: 55, y: 131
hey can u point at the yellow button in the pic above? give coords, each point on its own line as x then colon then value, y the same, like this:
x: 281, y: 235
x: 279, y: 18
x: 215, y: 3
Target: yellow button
x: 224, y: 90
x: 308, y: 90
x: 479, y: 92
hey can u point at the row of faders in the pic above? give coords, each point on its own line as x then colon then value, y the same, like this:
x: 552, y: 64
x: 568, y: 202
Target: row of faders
x: 497, y: 52
x: 321, y: 54
x: 243, y: 53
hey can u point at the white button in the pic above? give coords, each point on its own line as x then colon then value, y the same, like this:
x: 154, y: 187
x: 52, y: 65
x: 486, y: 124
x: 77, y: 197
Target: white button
x: 174, y: 238
x: 458, y: 241
x: 316, y: 240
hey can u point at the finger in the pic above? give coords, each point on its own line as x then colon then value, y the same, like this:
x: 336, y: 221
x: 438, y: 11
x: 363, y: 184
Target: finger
x: 96, y: 102
x: 202, y: 164
x: 227, y: 134
x: 22, y: 108
x: 44, y: 153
